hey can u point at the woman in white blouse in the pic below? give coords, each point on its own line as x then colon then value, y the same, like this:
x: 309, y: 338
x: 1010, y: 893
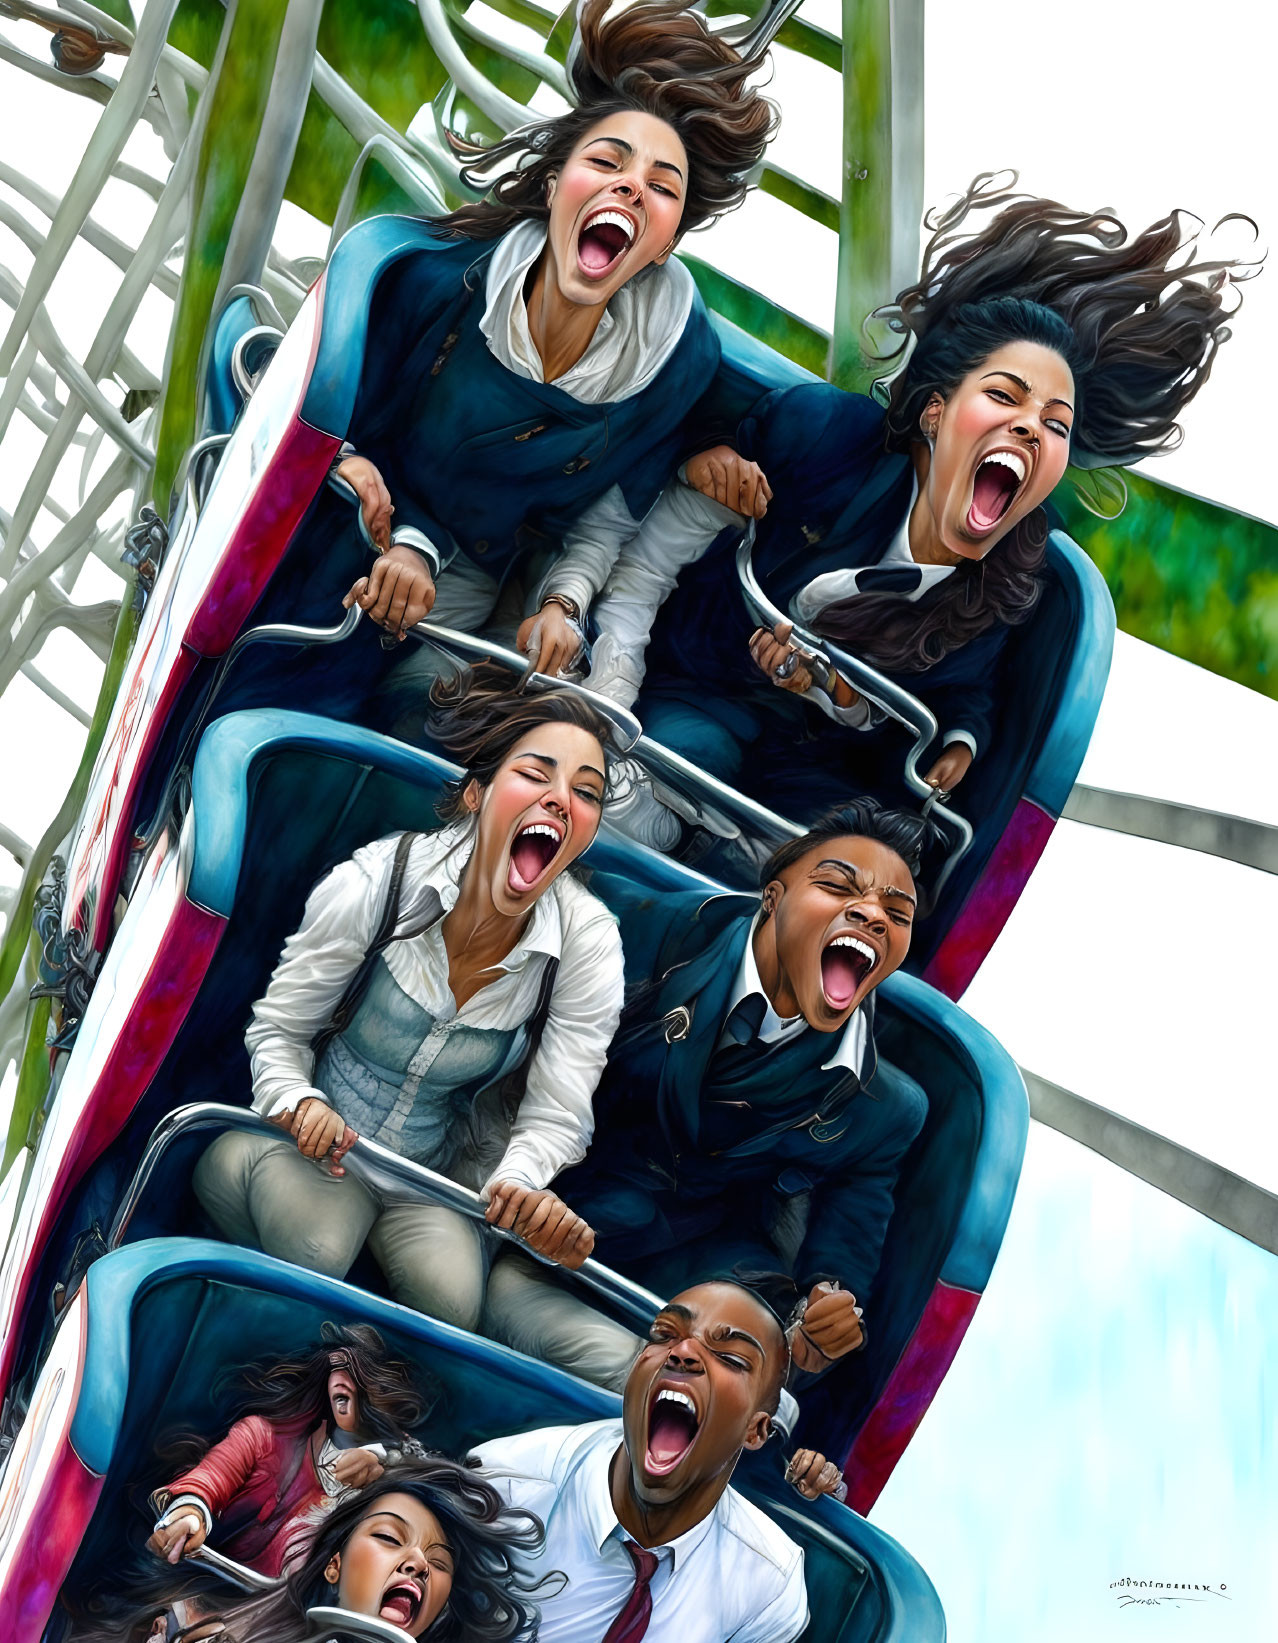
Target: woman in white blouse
x: 497, y: 960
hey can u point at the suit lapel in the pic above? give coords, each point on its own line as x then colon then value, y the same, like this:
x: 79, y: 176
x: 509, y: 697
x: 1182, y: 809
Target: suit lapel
x: 702, y: 988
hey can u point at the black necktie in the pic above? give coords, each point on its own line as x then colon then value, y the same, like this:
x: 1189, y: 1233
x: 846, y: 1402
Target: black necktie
x: 740, y: 1036
x: 888, y: 579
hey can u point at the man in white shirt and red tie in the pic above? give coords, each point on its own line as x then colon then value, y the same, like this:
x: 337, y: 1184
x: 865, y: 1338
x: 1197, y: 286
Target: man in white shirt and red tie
x: 639, y: 1514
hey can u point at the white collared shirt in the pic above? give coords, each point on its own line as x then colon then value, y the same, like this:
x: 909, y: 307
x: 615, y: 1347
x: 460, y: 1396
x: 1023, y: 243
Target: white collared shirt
x: 852, y: 1041
x: 637, y: 332
x: 555, y: 1120
x: 835, y: 585
x: 735, y: 1575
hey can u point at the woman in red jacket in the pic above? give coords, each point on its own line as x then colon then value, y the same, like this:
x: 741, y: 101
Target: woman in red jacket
x: 316, y: 1428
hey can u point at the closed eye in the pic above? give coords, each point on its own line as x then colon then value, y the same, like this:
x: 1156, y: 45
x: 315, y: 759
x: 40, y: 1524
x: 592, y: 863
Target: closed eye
x: 732, y: 1362
x: 1060, y: 428
x: 589, y: 794
x: 385, y: 1538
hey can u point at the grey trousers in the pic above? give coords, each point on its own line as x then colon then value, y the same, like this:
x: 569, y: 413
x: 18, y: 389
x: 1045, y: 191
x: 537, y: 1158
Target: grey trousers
x: 264, y: 1193
x: 527, y: 1310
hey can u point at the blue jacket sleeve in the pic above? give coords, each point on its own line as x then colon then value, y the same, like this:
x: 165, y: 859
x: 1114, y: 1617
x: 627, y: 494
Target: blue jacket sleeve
x: 410, y: 301
x: 851, y: 1208
x: 813, y: 442
x: 968, y: 693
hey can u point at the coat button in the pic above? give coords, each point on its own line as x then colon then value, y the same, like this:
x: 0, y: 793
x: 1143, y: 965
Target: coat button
x: 481, y: 547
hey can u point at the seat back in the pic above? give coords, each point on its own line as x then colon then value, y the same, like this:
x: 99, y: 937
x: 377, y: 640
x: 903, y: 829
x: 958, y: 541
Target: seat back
x: 172, y: 1323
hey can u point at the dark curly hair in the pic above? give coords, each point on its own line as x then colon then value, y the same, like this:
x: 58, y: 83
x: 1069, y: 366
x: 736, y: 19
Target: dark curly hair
x: 390, y: 1401
x: 900, y: 830
x: 478, y: 717
x: 489, y: 1600
x: 655, y: 57
x: 1138, y: 321
x: 904, y: 637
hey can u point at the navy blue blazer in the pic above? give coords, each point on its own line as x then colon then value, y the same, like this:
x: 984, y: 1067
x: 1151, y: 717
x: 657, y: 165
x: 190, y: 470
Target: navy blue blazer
x: 483, y: 460
x: 659, y: 1118
x: 838, y: 499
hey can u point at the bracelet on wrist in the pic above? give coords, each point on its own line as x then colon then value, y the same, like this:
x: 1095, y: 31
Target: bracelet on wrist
x: 569, y: 606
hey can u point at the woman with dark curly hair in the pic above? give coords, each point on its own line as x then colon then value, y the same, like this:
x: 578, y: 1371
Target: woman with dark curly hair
x: 916, y: 537
x: 429, y: 1546
x: 450, y: 995
x: 311, y: 1429
x: 529, y: 372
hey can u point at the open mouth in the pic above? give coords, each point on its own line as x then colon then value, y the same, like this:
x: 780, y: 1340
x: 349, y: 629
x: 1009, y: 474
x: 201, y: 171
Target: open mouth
x: 845, y: 964
x: 605, y: 238
x: 402, y: 1603
x: 673, y: 1424
x: 535, y: 847
x: 998, y: 479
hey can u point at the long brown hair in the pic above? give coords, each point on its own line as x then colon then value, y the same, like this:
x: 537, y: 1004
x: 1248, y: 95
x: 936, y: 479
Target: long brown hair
x: 478, y: 717
x: 655, y: 57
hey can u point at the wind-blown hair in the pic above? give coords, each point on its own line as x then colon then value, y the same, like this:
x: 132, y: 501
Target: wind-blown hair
x: 491, y: 1597
x: 478, y: 717
x: 655, y: 57
x: 908, y: 637
x: 390, y: 1402
x: 1138, y: 321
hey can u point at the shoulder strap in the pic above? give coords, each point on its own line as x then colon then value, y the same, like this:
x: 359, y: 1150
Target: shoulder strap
x: 537, y: 1020
x: 357, y: 986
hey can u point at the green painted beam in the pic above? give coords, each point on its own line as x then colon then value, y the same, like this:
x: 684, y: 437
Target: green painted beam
x: 1189, y: 576
x: 785, y: 332
x: 865, y: 213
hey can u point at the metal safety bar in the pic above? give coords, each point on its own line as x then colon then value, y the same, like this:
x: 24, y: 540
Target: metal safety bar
x: 244, y: 375
x: 659, y: 761
x: 322, y: 1621
x: 898, y: 704
x: 385, y: 1173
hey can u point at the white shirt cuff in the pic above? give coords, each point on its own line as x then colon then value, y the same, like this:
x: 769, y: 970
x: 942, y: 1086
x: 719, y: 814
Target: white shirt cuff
x: 964, y: 736
x: 190, y: 1503
x: 287, y: 1101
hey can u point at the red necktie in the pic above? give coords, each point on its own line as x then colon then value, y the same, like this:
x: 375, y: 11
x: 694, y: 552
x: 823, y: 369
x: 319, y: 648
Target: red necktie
x: 631, y: 1624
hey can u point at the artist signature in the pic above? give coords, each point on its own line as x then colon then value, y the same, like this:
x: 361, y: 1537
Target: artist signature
x: 1152, y: 1594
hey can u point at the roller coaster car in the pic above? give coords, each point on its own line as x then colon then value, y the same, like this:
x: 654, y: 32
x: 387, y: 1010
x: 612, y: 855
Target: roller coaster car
x: 231, y: 533
x: 140, y: 1351
x: 276, y: 799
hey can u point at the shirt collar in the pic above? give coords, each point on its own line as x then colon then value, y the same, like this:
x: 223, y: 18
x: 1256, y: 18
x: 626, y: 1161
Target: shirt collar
x: 637, y: 333
x: 898, y: 552
x: 602, y: 1519
x: 440, y: 858
x: 851, y: 1047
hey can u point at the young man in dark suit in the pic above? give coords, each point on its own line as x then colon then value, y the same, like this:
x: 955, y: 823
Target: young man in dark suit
x: 743, y: 1083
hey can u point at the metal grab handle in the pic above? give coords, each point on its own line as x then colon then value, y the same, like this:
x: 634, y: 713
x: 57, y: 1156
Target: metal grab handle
x: 386, y: 1173
x: 890, y: 698
x: 243, y: 375
x: 248, y: 1580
